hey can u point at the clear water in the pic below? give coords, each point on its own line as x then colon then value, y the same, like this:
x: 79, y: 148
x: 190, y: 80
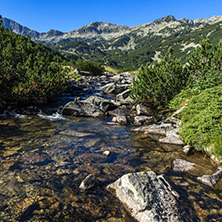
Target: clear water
x: 44, y: 158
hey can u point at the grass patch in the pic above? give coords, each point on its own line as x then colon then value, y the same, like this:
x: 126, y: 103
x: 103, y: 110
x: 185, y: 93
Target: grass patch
x: 110, y: 69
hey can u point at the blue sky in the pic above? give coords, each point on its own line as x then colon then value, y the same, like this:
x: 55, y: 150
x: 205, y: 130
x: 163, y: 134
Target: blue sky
x: 68, y: 15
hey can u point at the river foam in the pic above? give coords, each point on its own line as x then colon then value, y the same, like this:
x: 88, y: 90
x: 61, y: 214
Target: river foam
x: 54, y: 117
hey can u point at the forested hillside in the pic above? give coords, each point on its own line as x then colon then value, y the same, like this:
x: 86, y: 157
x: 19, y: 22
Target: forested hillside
x: 29, y: 71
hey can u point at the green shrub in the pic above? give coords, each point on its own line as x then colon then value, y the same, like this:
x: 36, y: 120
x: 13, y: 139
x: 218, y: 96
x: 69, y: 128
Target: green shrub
x: 205, y: 66
x: 29, y: 72
x: 210, y: 79
x: 158, y: 83
x: 86, y: 65
x: 181, y: 98
x: 202, y: 120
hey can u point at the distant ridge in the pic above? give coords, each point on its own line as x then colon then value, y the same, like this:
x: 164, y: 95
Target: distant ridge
x: 19, y: 29
x: 124, y: 46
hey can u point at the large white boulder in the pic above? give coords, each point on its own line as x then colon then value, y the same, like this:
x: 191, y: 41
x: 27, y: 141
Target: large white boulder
x: 148, y: 197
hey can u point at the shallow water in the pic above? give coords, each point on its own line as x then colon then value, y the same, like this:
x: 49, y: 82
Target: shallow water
x: 44, y: 158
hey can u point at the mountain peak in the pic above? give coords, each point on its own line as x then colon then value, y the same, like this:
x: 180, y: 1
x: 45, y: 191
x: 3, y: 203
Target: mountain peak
x: 97, y: 28
x: 168, y: 18
x: 104, y: 25
x: 53, y: 32
x: 211, y: 20
x: 97, y: 24
x: 19, y: 29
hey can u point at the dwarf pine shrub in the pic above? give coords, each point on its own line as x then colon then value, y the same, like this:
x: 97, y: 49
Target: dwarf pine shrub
x: 29, y: 72
x: 202, y: 120
x: 159, y: 82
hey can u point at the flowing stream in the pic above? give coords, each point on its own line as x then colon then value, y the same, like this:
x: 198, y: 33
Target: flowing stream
x: 44, y: 158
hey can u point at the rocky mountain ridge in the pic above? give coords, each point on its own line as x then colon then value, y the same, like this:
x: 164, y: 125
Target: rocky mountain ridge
x: 107, y: 30
x: 124, y: 46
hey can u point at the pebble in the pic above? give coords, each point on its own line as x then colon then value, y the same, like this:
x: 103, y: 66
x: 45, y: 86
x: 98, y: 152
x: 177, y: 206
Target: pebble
x: 88, y: 183
x: 187, y: 150
x: 107, y: 153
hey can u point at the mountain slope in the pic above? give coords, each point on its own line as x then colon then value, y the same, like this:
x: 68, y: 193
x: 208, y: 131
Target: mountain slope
x: 36, y: 36
x: 19, y: 29
x: 129, y: 47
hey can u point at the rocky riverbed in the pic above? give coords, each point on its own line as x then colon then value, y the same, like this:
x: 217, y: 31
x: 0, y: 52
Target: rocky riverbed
x: 45, y: 156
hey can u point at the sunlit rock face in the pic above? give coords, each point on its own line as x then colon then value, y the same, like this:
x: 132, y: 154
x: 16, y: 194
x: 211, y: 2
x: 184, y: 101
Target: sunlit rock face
x: 148, y: 197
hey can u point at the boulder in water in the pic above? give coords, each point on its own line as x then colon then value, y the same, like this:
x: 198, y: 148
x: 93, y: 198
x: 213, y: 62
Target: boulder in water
x: 94, y: 106
x: 187, y: 150
x: 211, y: 180
x: 124, y: 97
x: 180, y: 165
x: 147, y: 197
x: 155, y: 129
x: 142, y: 110
x: 120, y: 119
x: 172, y: 137
x: 141, y: 120
x: 121, y: 111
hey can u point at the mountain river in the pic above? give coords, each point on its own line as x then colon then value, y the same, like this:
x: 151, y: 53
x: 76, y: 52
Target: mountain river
x: 44, y: 158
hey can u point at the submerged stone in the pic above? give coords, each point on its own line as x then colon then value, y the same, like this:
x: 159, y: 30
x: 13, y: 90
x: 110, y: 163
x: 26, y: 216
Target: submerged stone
x: 88, y: 183
x: 75, y: 133
x: 180, y: 165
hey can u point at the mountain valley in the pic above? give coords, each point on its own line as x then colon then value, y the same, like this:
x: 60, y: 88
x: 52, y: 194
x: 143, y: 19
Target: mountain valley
x: 125, y: 47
